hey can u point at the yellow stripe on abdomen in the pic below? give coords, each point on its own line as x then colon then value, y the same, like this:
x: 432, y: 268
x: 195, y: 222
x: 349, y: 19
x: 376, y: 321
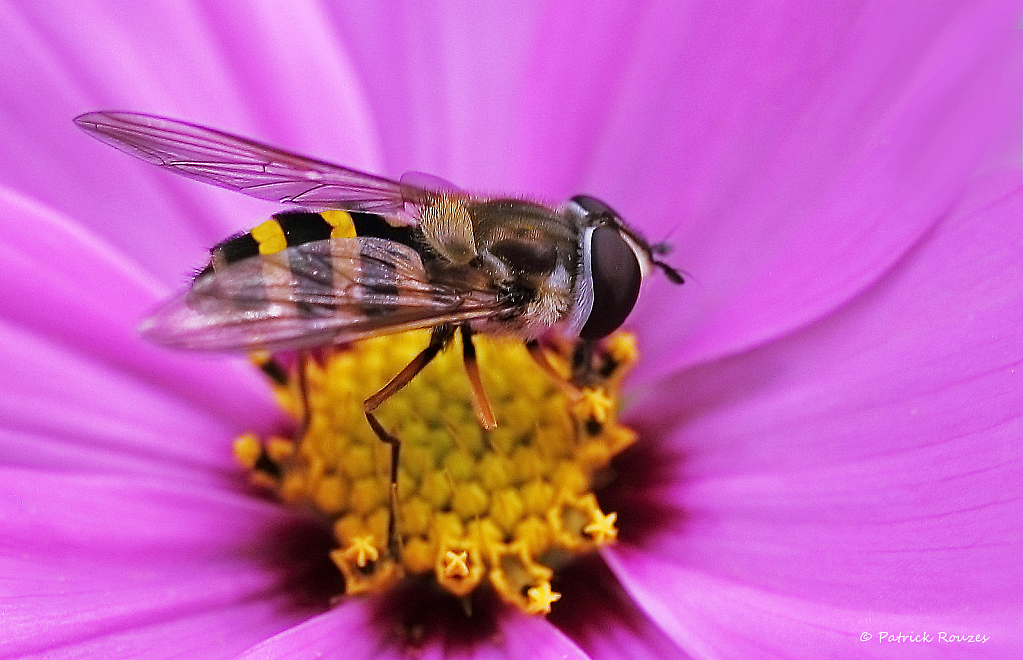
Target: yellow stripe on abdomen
x: 341, y: 223
x: 270, y: 237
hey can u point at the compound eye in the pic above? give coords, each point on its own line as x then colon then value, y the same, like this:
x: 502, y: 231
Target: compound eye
x: 616, y: 276
x: 594, y: 208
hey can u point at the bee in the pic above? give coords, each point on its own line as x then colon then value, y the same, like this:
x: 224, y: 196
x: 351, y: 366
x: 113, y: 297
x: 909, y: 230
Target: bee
x: 360, y: 255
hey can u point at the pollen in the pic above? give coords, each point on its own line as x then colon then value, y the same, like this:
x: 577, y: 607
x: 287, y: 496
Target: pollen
x: 473, y: 508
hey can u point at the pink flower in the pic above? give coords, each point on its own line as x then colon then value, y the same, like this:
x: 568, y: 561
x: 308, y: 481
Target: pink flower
x: 830, y: 411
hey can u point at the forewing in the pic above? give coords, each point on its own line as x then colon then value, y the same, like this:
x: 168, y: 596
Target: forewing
x: 314, y: 294
x: 250, y: 167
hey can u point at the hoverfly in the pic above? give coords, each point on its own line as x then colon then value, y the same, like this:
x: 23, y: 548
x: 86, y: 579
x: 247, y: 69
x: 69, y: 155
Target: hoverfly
x: 362, y: 255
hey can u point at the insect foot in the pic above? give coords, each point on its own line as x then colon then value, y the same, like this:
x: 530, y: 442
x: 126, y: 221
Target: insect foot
x: 497, y: 509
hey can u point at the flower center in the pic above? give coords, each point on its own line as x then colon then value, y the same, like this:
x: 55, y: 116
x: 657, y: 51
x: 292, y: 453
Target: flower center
x: 503, y: 507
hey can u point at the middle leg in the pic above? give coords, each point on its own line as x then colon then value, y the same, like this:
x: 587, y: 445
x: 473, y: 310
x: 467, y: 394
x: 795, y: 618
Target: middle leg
x: 480, y: 402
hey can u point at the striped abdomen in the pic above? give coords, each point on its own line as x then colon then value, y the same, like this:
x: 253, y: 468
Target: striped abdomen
x: 332, y: 276
x: 291, y: 228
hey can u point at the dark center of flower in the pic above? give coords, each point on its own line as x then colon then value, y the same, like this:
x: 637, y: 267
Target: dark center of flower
x: 504, y: 507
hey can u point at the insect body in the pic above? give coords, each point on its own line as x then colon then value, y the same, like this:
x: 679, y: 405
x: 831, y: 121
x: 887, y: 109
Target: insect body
x: 362, y: 255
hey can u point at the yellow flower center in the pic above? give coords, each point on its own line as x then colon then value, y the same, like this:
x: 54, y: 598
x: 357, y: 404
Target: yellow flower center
x: 503, y: 507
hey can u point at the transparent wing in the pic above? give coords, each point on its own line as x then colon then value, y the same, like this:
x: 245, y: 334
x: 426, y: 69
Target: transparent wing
x: 250, y: 167
x: 314, y: 294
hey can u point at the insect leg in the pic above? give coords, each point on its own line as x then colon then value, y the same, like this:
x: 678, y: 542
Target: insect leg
x: 303, y: 390
x: 393, y: 546
x: 438, y: 340
x: 584, y: 372
x: 472, y: 370
x: 536, y: 352
x: 270, y: 367
x: 277, y: 373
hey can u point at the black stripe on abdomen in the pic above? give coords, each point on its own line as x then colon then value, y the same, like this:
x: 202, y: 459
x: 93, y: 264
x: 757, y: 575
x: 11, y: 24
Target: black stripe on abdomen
x: 229, y: 251
x: 286, y: 229
x: 292, y: 228
x: 303, y: 227
x: 373, y: 225
x: 384, y: 298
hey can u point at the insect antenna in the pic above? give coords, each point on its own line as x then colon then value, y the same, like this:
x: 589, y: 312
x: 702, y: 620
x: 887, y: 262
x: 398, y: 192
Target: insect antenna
x: 663, y: 248
x: 674, y: 275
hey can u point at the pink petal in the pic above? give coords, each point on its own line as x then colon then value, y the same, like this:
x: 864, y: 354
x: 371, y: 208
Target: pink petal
x: 799, y: 155
x: 714, y: 617
x: 793, y: 155
x: 222, y: 631
x: 343, y: 632
x: 766, y: 172
x: 264, y: 69
x: 599, y: 616
x: 88, y: 390
x: 93, y: 563
x: 869, y: 463
x: 449, y: 86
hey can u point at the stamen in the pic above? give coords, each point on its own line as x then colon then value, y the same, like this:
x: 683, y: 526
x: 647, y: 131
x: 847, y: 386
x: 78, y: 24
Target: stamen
x: 499, y: 508
x: 455, y: 565
x: 460, y: 567
x: 540, y: 599
x: 602, y: 530
x: 362, y: 551
x: 595, y: 405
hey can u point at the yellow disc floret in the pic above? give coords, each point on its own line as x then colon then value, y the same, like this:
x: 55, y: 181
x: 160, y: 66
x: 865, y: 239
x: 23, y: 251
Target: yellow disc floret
x: 503, y: 507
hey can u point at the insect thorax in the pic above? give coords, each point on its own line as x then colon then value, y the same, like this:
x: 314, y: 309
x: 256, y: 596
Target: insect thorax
x: 529, y: 251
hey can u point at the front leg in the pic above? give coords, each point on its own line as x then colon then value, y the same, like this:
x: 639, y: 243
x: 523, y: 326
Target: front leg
x: 567, y: 385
